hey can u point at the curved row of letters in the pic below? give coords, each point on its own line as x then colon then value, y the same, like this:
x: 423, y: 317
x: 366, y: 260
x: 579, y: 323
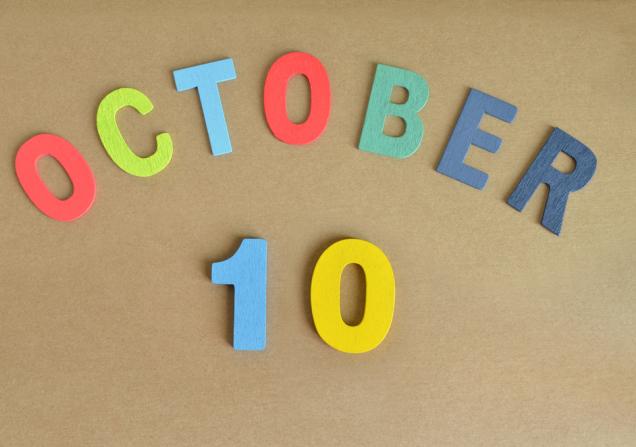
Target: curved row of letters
x: 206, y: 78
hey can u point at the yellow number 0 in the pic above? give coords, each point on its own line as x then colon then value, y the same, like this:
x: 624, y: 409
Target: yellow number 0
x: 379, y: 301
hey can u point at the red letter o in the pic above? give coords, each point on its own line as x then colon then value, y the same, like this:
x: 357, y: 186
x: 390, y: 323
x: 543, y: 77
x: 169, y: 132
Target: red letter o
x: 274, y: 98
x: 71, y: 161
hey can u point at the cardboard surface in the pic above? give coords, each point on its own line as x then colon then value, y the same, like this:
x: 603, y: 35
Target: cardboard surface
x: 111, y: 333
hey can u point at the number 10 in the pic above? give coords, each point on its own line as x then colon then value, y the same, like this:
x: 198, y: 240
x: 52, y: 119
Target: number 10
x: 246, y: 270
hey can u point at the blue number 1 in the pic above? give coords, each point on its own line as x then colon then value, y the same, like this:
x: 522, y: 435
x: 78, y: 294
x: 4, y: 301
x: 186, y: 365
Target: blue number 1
x: 246, y: 270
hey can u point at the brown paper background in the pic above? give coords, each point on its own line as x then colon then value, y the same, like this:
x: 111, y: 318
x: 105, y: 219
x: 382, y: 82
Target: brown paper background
x: 111, y: 333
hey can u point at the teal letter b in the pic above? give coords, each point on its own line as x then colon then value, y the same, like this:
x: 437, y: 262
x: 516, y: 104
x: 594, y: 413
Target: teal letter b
x: 373, y: 139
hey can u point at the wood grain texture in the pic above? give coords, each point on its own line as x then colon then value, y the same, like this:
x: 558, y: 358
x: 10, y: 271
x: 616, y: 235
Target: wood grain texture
x: 561, y: 184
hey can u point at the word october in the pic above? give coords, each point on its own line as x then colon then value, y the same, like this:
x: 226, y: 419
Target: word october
x: 206, y: 78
